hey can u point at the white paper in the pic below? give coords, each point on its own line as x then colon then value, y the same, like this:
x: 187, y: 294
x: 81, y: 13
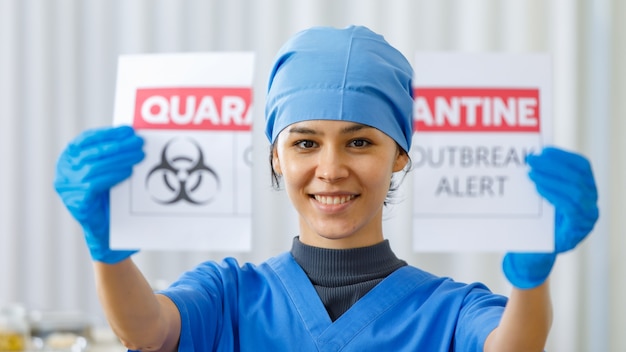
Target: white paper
x: 193, y: 189
x: 477, y: 116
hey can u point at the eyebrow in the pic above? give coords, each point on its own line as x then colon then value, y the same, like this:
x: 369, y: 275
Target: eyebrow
x: 350, y: 129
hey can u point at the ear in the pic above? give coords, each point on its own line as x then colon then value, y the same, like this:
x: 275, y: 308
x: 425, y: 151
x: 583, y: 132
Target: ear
x: 276, y: 162
x: 402, y: 158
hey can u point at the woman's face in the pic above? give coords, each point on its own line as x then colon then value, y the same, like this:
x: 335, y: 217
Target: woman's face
x: 337, y: 175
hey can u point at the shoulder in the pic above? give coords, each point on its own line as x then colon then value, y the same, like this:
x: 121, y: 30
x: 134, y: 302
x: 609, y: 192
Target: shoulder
x: 447, y: 290
x: 213, y: 275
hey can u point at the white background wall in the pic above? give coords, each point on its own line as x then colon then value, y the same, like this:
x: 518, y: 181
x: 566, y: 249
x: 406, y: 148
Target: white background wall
x: 57, y: 76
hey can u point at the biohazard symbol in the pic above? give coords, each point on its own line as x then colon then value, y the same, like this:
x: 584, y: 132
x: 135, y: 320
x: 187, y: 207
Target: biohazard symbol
x: 180, y: 177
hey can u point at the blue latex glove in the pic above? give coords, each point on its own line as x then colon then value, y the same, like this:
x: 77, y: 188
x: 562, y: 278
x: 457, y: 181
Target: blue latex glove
x: 91, y: 164
x: 565, y: 180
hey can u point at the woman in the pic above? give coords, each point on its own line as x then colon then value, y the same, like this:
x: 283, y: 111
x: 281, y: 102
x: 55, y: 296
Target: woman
x: 339, y: 119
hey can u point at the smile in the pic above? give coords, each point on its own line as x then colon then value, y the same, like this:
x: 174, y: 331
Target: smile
x: 334, y: 200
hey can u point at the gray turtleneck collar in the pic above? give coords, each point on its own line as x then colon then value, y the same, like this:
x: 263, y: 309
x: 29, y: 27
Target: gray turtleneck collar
x: 342, y: 276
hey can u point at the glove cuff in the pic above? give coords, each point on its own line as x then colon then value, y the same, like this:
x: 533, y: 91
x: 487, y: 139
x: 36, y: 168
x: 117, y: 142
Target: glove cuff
x: 112, y: 257
x: 527, y: 270
x: 99, y: 247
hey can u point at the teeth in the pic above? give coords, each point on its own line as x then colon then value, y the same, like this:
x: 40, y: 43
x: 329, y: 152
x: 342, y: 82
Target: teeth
x: 333, y: 200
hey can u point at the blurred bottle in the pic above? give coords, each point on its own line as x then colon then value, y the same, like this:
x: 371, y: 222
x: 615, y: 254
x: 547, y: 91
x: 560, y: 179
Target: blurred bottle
x: 14, y: 328
x: 59, y: 331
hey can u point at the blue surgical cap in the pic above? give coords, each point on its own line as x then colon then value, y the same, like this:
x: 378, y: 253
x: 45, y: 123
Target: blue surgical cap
x: 349, y: 74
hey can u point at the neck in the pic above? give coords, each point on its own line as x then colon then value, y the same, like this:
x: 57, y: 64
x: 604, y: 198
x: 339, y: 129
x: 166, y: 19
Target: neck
x: 347, y: 242
x: 368, y: 235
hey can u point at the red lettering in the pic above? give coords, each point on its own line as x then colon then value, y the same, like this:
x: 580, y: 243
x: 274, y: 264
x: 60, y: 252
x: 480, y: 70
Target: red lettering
x: 476, y: 110
x: 193, y: 108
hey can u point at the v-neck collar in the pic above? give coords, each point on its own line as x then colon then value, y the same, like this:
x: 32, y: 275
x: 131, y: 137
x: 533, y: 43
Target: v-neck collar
x: 330, y: 335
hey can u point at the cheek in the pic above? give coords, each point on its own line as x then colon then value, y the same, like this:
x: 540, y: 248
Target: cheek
x: 291, y: 170
x: 381, y: 177
x: 375, y: 176
x: 294, y: 174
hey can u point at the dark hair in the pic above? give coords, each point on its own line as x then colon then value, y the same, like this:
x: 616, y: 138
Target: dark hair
x: 393, y: 187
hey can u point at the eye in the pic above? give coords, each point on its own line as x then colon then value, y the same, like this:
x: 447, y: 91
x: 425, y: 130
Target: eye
x: 359, y: 143
x: 305, y: 144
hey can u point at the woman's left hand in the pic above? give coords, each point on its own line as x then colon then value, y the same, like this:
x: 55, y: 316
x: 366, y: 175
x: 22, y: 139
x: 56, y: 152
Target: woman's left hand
x: 564, y: 179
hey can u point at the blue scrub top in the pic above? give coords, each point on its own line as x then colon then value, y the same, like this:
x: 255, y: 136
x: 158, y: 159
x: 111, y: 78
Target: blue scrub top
x: 274, y: 307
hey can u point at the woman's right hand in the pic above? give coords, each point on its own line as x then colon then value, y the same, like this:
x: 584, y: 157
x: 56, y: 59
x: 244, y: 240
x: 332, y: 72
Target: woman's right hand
x: 90, y: 165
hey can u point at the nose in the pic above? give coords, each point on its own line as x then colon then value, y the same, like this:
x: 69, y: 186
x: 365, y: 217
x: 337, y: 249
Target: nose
x: 332, y: 165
